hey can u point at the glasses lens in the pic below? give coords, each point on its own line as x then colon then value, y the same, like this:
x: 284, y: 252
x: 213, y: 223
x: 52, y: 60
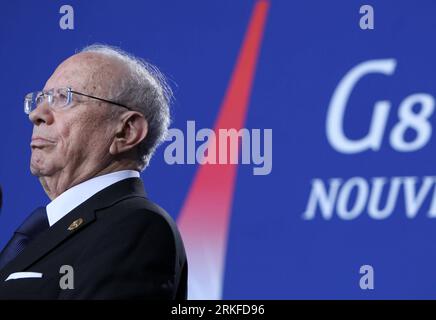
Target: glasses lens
x: 32, y: 101
x: 39, y: 98
x: 28, y: 103
x: 61, y: 98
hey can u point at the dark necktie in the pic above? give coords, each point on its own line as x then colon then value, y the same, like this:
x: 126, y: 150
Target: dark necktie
x: 34, y: 224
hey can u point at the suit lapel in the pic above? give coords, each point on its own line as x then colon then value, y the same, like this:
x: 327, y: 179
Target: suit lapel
x: 76, y: 220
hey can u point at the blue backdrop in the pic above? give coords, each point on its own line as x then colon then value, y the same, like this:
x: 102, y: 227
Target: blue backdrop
x: 305, y: 229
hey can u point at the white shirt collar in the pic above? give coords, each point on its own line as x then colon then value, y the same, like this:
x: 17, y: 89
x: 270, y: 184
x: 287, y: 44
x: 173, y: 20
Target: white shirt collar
x: 78, y: 194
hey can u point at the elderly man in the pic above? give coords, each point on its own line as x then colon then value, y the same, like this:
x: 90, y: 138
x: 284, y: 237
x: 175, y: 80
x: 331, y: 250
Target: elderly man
x: 96, y: 125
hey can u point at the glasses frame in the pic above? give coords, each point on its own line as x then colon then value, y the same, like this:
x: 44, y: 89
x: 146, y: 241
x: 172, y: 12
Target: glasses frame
x: 70, y: 91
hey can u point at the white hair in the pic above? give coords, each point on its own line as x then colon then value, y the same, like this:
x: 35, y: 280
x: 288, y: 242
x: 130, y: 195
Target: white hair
x: 144, y: 89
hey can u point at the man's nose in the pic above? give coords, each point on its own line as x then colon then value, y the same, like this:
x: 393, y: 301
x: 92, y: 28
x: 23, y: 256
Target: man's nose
x: 42, y: 114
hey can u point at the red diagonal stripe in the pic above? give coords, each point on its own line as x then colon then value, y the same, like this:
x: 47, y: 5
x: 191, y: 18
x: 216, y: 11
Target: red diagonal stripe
x: 204, y: 219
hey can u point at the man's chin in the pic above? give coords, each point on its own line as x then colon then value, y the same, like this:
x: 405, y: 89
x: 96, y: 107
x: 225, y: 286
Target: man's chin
x: 39, y: 164
x: 35, y: 171
x: 38, y: 170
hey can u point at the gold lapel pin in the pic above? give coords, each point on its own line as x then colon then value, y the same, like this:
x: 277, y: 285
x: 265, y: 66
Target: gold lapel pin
x: 75, y: 224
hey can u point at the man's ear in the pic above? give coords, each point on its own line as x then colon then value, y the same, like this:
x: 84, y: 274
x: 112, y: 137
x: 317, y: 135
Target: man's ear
x: 131, y: 129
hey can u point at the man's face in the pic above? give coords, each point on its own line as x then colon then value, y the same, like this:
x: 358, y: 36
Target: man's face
x: 75, y: 139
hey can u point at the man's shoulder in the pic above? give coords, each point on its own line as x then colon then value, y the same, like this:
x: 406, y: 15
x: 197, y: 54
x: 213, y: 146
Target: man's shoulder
x: 136, y: 217
x: 137, y: 209
x: 135, y: 225
x: 126, y: 202
x: 125, y: 218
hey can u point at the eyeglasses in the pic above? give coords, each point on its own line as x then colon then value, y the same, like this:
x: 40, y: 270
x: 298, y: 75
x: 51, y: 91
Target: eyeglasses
x: 57, y: 98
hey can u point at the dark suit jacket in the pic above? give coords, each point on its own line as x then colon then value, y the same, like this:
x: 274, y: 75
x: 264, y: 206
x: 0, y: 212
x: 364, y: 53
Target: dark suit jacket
x: 126, y: 248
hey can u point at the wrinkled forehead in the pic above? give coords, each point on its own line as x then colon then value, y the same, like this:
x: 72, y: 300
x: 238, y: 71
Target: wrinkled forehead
x: 87, y: 72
